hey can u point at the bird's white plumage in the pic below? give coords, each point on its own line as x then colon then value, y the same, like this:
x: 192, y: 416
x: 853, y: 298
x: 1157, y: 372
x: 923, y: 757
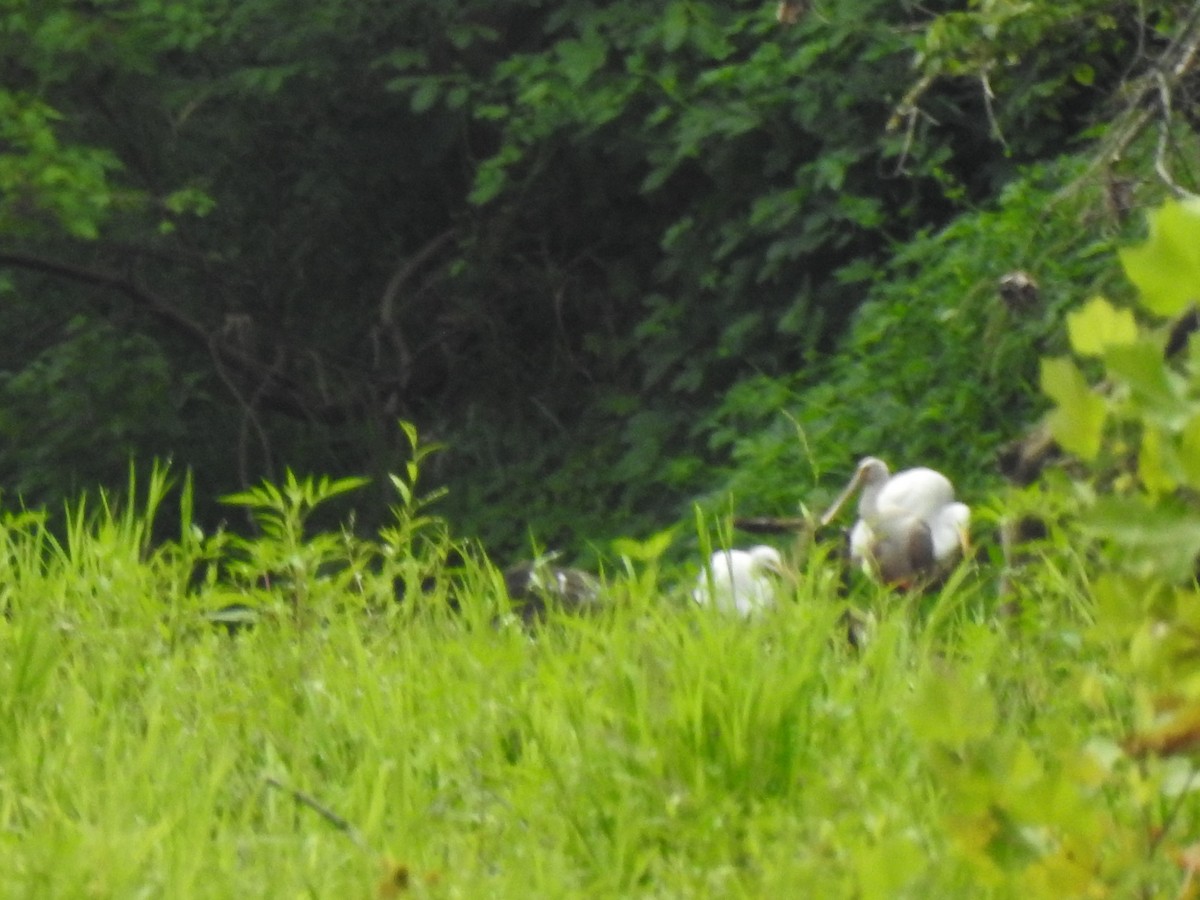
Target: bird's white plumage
x: 909, y: 523
x: 739, y: 580
x: 861, y: 539
x: 917, y: 493
x: 949, y: 530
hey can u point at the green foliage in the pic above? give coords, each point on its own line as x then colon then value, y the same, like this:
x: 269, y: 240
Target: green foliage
x: 1098, y: 326
x: 998, y: 39
x: 657, y: 749
x: 1148, y: 401
x: 936, y: 369
x: 410, y: 514
x: 1078, y: 420
x: 1146, y: 461
x: 76, y: 414
x: 1166, y: 268
x: 44, y: 183
x: 281, y: 511
x: 310, y: 566
x: 578, y: 243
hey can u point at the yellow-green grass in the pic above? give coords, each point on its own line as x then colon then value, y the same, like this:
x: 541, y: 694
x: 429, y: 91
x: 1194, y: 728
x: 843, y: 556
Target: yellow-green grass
x: 657, y: 750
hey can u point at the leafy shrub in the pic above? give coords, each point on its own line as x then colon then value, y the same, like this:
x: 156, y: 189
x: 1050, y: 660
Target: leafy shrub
x: 1131, y: 411
x: 75, y: 415
x: 1126, y: 408
x: 935, y: 369
x: 595, y: 221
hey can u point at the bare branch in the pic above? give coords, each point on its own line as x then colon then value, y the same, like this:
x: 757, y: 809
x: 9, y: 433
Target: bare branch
x: 988, y: 96
x: 1164, y: 138
x: 906, y: 110
x: 1176, y: 61
x: 405, y: 271
x: 388, y: 326
x: 276, y: 387
x: 161, y: 309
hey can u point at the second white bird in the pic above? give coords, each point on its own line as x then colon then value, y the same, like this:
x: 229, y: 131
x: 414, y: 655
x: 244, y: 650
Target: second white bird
x: 740, y: 581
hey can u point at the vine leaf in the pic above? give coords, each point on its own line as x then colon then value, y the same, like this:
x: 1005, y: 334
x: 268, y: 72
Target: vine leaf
x: 1157, y: 536
x: 1099, y: 325
x: 1077, y: 421
x: 1166, y: 267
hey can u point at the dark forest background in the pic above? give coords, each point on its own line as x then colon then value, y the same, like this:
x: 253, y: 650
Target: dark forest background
x: 618, y: 258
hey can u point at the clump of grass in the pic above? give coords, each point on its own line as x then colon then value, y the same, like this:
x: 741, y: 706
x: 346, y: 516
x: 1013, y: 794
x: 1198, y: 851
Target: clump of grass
x: 353, y: 742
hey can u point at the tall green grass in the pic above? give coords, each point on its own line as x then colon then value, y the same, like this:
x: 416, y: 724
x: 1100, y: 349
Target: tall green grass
x: 658, y: 749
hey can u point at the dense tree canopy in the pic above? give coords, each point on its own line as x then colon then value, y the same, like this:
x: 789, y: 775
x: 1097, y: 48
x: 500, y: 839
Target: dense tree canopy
x: 608, y: 252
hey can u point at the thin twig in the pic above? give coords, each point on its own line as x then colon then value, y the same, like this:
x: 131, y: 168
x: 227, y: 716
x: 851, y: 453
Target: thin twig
x: 405, y: 270
x: 389, y: 325
x: 1164, y: 138
x: 1175, y: 62
x: 908, y: 112
x: 988, y: 97
x: 343, y: 825
x: 906, y: 109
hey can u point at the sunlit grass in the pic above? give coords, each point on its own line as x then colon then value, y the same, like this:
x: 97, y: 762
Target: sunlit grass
x: 659, y: 749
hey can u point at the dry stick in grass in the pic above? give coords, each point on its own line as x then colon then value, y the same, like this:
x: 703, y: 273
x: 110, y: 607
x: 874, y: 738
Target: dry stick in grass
x: 396, y: 876
x: 343, y: 825
x: 772, y: 524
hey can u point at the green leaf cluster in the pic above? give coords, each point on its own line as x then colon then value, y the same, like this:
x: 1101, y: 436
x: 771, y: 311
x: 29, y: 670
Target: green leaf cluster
x: 1128, y: 406
x: 46, y: 183
x: 92, y: 399
x: 1141, y: 420
x: 936, y: 368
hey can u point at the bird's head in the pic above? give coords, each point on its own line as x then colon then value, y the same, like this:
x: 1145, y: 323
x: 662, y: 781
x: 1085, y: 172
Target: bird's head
x: 766, y: 559
x: 870, y: 472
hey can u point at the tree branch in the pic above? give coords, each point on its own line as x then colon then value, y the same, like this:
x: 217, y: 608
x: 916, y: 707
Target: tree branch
x: 1150, y: 94
x: 405, y: 271
x: 277, y: 389
x: 389, y: 325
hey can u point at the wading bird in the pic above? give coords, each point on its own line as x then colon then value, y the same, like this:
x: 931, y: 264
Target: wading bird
x: 233, y: 617
x: 909, y: 528
x: 535, y: 586
x: 740, y: 580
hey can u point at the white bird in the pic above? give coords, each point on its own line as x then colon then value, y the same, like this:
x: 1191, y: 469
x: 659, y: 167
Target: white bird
x: 739, y: 580
x: 909, y: 525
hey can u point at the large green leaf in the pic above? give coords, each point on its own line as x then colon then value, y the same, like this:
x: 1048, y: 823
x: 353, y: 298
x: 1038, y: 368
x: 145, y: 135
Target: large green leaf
x: 1189, y: 451
x: 1166, y: 268
x: 1160, y: 538
x: 1156, y: 462
x: 1160, y: 394
x: 1077, y: 421
x: 952, y: 708
x: 1099, y: 325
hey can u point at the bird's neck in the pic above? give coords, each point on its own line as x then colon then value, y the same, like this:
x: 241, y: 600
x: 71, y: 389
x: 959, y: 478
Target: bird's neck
x: 868, y: 501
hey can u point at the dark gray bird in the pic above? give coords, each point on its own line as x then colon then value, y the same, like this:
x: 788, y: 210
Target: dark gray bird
x: 536, y: 586
x: 233, y: 617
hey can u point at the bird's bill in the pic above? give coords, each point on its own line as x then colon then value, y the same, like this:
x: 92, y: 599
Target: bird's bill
x: 783, y: 573
x: 964, y: 541
x: 846, y: 494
